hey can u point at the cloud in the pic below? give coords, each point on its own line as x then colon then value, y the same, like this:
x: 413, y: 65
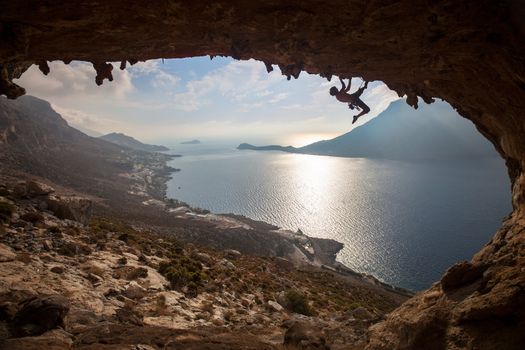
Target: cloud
x: 75, y: 79
x: 159, y: 77
x: 279, y: 97
x: 237, y: 81
x: 90, y: 122
x: 76, y: 82
x: 144, y: 68
x: 264, y: 93
x: 224, y: 97
x: 165, y: 79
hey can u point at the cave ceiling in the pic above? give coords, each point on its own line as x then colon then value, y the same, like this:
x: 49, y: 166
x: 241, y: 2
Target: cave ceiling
x: 470, y: 53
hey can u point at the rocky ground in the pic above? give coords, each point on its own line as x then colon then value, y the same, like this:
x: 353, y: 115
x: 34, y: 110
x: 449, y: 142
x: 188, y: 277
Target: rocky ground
x: 70, y: 280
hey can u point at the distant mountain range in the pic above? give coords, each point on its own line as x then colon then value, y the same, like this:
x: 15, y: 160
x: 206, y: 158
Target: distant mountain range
x: 128, y: 141
x: 400, y: 132
x: 192, y: 142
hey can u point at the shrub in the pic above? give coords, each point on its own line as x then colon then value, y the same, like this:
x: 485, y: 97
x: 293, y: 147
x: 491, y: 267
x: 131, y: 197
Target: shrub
x: 354, y: 306
x: 298, y: 303
x: 136, y: 273
x: 183, y: 273
x: 6, y: 211
x: 32, y: 217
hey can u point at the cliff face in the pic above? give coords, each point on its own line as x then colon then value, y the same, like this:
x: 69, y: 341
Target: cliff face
x: 469, y: 53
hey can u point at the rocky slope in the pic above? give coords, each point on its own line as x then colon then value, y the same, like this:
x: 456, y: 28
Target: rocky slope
x: 128, y: 141
x: 36, y: 140
x: 469, y: 53
x: 103, y: 284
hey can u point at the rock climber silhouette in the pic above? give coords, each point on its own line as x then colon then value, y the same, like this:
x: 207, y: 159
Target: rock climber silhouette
x: 353, y: 100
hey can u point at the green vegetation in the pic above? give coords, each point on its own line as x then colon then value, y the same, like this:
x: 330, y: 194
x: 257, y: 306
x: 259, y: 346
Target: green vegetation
x: 184, y: 274
x: 103, y: 225
x: 6, y: 211
x: 298, y: 303
x: 136, y: 273
x: 354, y: 306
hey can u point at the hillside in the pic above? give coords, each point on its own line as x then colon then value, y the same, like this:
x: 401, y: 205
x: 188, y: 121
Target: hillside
x: 128, y: 141
x: 102, y: 261
x: 36, y: 140
x: 432, y: 132
x: 121, y: 286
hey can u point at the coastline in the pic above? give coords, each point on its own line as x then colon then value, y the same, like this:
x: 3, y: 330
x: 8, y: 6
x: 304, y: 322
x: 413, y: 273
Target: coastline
x: 252, y: 237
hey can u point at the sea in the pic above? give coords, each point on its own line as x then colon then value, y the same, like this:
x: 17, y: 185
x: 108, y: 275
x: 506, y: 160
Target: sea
x: 403, y: 222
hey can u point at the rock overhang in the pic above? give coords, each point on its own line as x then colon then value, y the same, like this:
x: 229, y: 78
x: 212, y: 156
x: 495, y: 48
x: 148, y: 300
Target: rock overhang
x: 469, y: 53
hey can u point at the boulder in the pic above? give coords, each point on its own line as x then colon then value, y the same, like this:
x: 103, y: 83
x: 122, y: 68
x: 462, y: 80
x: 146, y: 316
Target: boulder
x: 73, y: 249
x: 227, y: 264
x: 128, y: 316
x: 202, y: 257
x: 361, y: 313
x: 72, y: 208
x: 57, y: 269
x: 6, y: 254
x: 283, y: 300
x: 52, y: 340
x: 135, y: 291
x: 79, y: 320
x: 302, y: 335
x: 232, y: 254
x: 275, y: 306
x: 28, y: 189
x: 40, y: 314
x: 95, y: 280
x: 35, y: 188
x: 461, y: 274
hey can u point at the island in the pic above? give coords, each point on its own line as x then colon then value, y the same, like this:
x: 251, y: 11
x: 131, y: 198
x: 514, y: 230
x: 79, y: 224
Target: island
x: 247, y: 146
x: 192, y: 142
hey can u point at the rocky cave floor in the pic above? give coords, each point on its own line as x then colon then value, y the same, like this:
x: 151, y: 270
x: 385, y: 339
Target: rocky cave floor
x: 102, y: 284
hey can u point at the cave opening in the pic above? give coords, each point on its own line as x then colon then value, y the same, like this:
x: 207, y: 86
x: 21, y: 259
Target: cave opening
x: 404, y: 217
x: 468, y: 53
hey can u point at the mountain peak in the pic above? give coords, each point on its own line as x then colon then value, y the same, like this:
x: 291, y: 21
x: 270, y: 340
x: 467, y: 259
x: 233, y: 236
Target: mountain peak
x: 400, y: 132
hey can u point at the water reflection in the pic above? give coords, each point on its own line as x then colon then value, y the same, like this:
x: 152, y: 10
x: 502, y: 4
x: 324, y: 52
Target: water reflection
x: 403, y: 222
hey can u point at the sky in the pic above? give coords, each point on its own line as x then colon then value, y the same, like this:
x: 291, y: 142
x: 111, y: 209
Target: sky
x: 169, y: 101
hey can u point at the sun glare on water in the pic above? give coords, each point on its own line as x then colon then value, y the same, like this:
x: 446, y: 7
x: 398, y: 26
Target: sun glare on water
x: 314, y: 179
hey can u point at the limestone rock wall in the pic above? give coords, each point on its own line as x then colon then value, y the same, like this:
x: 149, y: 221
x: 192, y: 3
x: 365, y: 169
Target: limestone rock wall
x: 469, y: 53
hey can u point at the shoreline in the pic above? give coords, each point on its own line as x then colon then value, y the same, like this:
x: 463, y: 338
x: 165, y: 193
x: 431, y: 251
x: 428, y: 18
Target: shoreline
x: 301, y: 250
